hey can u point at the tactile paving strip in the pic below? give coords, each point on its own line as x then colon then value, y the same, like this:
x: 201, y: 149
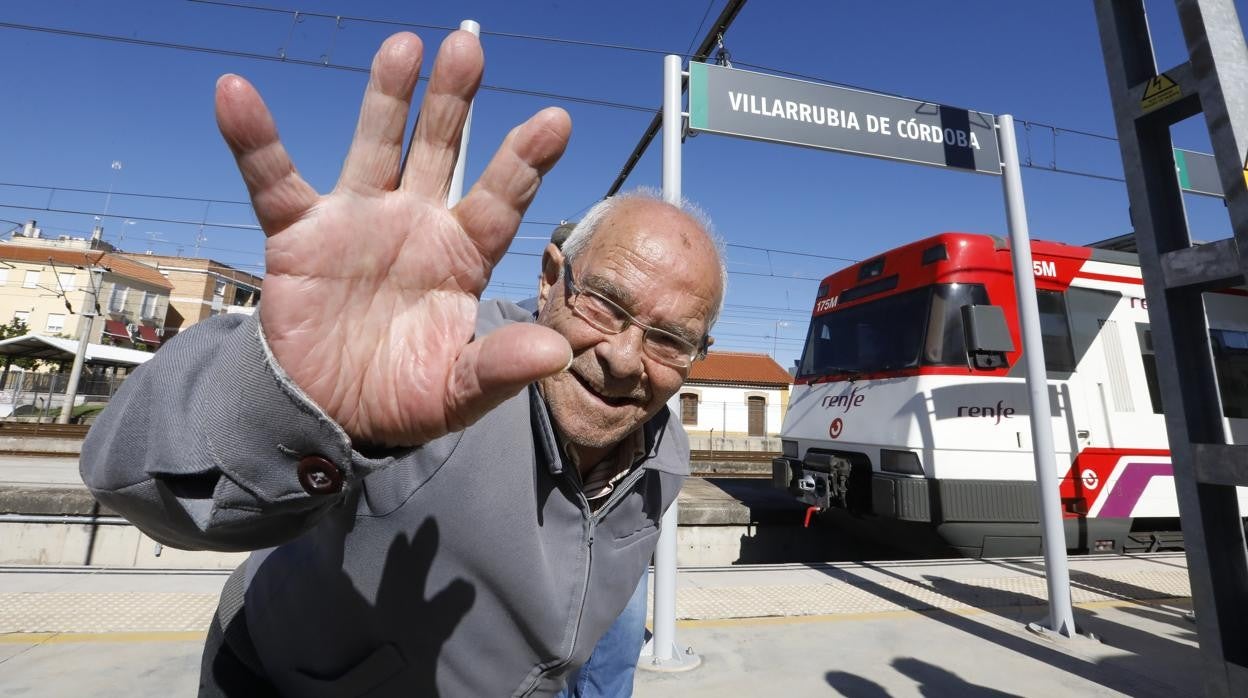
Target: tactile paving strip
x: 843, y: 593
x: 86, y: 612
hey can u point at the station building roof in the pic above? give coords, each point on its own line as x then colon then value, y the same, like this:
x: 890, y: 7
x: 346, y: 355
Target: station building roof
x: 36, y: 346
x: 739, y: 368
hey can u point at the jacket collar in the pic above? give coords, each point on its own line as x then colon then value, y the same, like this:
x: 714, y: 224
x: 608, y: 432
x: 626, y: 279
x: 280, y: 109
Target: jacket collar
x: 661, y: 453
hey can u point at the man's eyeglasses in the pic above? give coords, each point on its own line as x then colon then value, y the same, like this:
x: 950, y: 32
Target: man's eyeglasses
x: 604, y: 315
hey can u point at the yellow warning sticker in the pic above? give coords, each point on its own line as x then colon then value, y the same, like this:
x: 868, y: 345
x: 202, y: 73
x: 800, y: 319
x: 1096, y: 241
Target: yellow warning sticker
x: 1161, y: 91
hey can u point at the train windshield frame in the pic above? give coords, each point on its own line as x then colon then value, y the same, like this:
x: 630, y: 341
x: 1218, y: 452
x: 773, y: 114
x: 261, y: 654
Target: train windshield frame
x: 897, y: 332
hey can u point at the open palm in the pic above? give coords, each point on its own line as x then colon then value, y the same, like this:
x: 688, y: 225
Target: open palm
x: 371, y: 291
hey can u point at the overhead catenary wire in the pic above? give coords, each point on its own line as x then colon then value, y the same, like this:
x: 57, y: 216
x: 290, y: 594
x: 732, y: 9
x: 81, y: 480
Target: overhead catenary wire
x: 357, y: 69
x: 254, y: 227
x: 434, y: 27
x: 725, y: 19
x: 630, y: 162
x: 590, y: 101
x: 171, y: 197
x: 689, y: 52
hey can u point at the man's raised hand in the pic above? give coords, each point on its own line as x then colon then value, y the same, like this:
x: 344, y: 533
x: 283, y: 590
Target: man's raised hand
x: 370, y: 291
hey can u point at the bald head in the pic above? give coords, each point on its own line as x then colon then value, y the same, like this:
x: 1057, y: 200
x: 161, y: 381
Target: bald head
x: 645, y: 215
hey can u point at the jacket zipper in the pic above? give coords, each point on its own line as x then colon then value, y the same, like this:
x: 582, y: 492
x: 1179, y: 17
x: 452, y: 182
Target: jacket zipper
x: 625, y: 485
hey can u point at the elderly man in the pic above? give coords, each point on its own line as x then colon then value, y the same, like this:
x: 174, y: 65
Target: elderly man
x: 452, y: 500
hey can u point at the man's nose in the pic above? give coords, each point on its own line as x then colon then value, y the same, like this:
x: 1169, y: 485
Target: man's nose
x: 622, y: 353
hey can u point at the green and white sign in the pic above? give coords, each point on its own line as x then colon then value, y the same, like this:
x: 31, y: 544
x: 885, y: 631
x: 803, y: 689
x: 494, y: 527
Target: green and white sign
x: 782, y: 110
x: 1198, y: 173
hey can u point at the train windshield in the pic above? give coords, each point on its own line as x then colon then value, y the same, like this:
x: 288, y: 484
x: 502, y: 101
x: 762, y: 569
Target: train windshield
x: 923, y: 326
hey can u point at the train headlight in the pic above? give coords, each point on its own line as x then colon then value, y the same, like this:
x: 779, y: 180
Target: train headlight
x: 900, y: 462
x: 788, y: 448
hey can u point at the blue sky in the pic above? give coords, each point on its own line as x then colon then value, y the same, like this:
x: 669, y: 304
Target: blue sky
x: 76, y: 104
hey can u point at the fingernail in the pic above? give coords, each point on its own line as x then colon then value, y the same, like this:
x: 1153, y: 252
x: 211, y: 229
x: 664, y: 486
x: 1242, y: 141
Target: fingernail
x: 570, y: 357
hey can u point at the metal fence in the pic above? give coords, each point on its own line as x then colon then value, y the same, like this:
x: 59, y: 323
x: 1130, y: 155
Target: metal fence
x: 56, y: 383
x: 27, y: 394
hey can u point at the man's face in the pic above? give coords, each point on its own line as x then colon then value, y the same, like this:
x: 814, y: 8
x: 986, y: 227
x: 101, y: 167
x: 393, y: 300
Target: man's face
x: 656, y: 264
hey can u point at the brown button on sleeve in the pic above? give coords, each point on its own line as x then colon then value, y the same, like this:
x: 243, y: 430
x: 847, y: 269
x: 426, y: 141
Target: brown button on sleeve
x: 319, y: 475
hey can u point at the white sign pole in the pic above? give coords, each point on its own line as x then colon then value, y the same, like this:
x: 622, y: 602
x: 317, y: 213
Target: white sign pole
x: 661, y: 653
x: 457, y: 179
x: 1061, y: 618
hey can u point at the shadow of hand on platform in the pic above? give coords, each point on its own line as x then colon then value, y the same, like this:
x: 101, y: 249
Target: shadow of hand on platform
x: 854, y: 686
x: 1126, y: 675
x: 935, y: 682
x: 357, y: 641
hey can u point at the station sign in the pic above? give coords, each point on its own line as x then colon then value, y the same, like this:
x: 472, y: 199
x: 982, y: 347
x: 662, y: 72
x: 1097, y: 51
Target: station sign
x: 1198, y: 173
x: 783, y: 110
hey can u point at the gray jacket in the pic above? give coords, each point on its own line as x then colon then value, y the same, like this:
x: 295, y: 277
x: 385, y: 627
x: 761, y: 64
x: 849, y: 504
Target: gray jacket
x: 470, y: 566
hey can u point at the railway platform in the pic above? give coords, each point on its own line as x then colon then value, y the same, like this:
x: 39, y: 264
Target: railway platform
x: 47, y: 516
x: 910, y: 628
x: 132, y: 622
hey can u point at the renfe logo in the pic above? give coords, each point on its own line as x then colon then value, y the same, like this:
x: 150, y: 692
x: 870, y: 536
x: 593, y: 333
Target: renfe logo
x: 988, y: 411
x: 835, y: 428
x: 848, y: 400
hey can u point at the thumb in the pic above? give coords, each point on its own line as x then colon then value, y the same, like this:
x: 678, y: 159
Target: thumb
x: 494, y: 367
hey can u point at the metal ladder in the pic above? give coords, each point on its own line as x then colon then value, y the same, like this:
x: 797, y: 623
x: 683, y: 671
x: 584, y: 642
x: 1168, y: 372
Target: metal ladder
x: 1176, y: 275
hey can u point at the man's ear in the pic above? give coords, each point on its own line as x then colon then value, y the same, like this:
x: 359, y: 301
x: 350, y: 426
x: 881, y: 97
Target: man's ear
x: 552, y: 263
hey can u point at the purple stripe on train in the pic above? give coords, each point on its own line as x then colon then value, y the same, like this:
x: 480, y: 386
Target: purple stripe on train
x: 1130, y: 486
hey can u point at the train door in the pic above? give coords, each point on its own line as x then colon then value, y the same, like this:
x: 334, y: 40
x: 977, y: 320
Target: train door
x: 1112, y: 337
x: 1064, y: 347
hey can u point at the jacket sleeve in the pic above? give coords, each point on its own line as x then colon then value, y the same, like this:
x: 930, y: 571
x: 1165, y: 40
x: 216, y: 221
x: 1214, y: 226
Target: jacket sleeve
x: 200, y: 447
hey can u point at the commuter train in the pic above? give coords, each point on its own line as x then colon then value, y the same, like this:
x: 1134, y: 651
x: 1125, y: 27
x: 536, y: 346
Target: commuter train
x: 909, y: 419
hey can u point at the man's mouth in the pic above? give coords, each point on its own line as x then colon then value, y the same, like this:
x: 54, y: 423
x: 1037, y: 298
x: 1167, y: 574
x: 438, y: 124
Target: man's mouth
x: 610, y: 400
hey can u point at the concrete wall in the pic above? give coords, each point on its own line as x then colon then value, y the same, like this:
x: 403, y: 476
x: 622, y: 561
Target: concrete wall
x: 103, y: 545
x: 124, y: 546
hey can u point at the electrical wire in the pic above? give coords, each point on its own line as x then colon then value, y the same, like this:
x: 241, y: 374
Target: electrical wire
x: 689, y: 51
x: 435, y: 27
x: 253, y: 227
x: 589, y: 101
x: 513, y: 90
x: 169, y: 197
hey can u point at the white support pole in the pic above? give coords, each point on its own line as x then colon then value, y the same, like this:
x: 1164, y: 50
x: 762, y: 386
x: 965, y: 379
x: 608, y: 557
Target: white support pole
x: 661, y: 653
x: 456, y: 191
x: 85, y: 321
x: 1057, y: 572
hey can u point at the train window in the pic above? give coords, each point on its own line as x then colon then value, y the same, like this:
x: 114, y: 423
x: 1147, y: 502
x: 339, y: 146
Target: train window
x: 871, y: 269
x: 1150, y: 365
x: 878, y: 335
x: 945, y: 344
x: 1230, y: 358
x: 936, y: 253
x: 1059, y: 353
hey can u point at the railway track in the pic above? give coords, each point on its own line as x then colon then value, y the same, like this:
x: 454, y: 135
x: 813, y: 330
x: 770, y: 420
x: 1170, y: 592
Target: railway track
x: 702, y: 463
x: 745, y: 464
x: 53, y: 430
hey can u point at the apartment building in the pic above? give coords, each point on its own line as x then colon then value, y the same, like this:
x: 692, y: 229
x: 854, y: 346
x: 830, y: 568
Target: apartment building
x: 201, y: 288
x: 45, y: 286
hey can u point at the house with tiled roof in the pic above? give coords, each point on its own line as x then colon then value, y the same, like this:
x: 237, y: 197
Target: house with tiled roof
x: 202, y: 288
x: 733, y: 401
x: 46, y: 286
